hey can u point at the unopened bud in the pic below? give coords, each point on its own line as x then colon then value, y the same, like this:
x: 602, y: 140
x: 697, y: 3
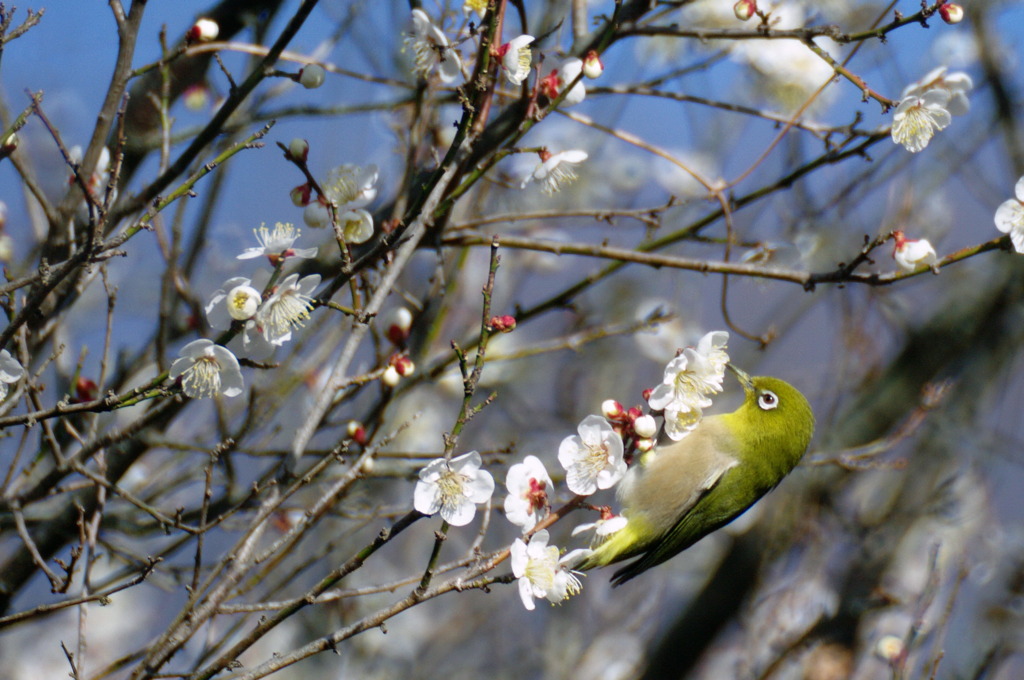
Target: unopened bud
x: 356, y: 431
x: 502, y: 324
x: 196, y: 97
x: 744, y: 9
x: 890, y: 648
x: 397, y: 325
x: 644, y: 445
x: 611, y: 409
x: 298, y: 149
x: 6, y: 247
x: 593, y: 67
x: 391, y: 376
x: 403, y: 365
x: 301, y: 195
x: 951, y: 12
x: 85, y: 389
x: 311, y: 76
x: 8, y: 145
x: 645, y: 427
x: 315, y: 215
x: 203, y: 31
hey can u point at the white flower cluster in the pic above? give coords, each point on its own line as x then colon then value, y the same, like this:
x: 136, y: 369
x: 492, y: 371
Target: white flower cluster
x: 593, y: 459
x: 348, y: 189
x: 689, y: 378
x: 267, y: 319
x: 557, y: 77
x: 269, y: 322
x: 928, y: 105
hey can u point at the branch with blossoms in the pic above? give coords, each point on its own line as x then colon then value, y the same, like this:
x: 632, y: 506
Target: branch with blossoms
x: 766, y: 30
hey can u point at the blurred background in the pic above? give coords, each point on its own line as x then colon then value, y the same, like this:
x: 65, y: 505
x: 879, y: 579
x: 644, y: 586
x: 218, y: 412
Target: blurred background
x: 894, y: 550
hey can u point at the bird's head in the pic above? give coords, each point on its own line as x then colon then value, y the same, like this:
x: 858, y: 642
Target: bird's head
x: 775, y: 418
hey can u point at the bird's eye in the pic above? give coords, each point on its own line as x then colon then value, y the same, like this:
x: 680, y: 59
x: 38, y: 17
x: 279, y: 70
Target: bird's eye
x: 767, y: 400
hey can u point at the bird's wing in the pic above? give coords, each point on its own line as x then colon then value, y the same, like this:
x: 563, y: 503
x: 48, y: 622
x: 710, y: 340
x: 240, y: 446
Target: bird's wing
x: 677, y: 477
x: 713, y: 509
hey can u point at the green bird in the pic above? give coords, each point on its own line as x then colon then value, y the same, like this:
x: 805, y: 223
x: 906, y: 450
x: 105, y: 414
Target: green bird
x: 679, y: 493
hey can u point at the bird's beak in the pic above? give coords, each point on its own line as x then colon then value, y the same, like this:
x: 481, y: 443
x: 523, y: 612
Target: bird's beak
x: 748, y: 384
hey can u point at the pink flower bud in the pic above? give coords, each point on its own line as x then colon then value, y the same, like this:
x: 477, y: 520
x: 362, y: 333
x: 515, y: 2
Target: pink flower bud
x: 593, y: 67
x: 298, y: 149
x: 644, y: 445
x: 951, y: 13
x: 502, y: 324
x: 744, y: 9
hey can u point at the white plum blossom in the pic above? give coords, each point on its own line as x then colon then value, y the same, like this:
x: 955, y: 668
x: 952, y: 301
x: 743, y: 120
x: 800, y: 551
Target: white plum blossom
x: 555, y: 170
x: 478, y: 6
x: 516, y: 58
x: 528, y: 486
x: 593, y: 459
x: 911, y: 253
x: 560, y: 73
x: 351, y: 186
x: 348, y: 187
x: 1010, y: 217
x: 205, y: 369
x: 602, y: 528
x: 234, y: 302
x: 288, y: 307
x: 453, y: 488
x: 918, y: 117
x: 688, y: 379
x: 957, y: 84
x: 356, y: 226
x: 540, y: 572
x: 10, y: 372
x: 237, y: 300
x: 277, y: 243
x: 430, y: 48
